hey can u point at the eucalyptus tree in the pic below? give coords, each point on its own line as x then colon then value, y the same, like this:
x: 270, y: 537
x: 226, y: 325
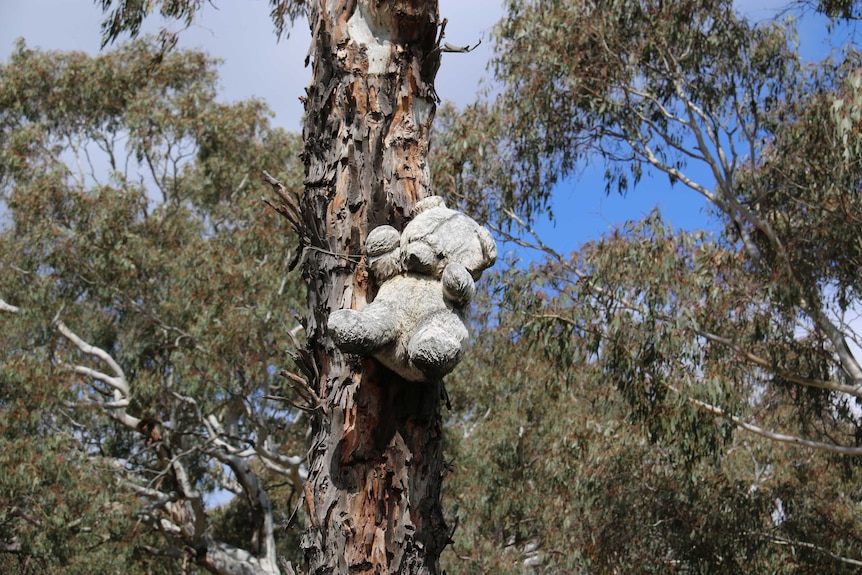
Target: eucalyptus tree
x: 373, y: 495
x: 548, y: 475
x: 644, y: 92
x: 751, y: 331
x: 572, y: 451
x: 372, y: 498
x: 145, y: 301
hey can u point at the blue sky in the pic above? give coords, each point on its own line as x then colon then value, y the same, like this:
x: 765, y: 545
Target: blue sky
x: 240, y: 33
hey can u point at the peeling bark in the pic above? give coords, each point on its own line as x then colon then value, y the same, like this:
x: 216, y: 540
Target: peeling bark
x: 372, y: 500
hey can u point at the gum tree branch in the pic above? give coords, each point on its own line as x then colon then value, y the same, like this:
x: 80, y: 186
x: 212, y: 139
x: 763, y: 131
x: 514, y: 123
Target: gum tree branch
x: 188, y: 522
x: 772, y: 435
x: 805, y: 545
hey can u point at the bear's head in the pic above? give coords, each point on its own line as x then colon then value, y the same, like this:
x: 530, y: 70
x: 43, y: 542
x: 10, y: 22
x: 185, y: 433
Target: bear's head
x: 437, y: 236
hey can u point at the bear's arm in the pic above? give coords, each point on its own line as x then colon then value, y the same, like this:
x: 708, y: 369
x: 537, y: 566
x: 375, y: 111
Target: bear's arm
x: 458, y: 285
x: 363, y: 332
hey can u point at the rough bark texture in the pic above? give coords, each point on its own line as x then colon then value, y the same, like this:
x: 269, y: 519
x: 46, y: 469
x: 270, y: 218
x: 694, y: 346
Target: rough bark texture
x: 372, y: 499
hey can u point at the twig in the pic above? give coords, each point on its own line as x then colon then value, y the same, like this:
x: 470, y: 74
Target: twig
x: 289, y: 208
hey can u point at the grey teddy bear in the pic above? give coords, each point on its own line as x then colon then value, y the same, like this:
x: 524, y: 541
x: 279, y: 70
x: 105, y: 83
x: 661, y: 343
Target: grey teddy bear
x: 416, y: 326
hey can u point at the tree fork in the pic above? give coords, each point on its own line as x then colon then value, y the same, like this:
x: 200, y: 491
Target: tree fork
x: 372, y: 500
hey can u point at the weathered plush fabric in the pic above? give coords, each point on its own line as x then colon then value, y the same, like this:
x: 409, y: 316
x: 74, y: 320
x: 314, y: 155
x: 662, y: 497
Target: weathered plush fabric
x: 416, y: 326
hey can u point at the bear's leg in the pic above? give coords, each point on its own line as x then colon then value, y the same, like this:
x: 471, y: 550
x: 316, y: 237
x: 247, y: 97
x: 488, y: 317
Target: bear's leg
x: 437, y: 344
x: 363, y: 332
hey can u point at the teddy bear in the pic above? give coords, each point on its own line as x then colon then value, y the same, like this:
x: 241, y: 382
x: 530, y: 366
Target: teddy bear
x: 417, y: 324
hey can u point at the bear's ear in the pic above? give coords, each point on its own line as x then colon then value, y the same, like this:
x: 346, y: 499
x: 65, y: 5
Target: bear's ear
x: 381, y: 240
x: 384, y: 252
x: 426, y: 204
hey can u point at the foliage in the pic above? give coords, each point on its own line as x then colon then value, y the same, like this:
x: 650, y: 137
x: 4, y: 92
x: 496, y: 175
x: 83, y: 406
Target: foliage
x: 125, y: 17
x: 628, y: 407
x: 836, y: 10
x: 577, y: 443
x: 133, y: 223
x: 686, y: 338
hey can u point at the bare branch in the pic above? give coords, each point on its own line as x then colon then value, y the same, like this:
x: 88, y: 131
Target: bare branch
x: 812, y: 546
x: 452, y: 49
x: 666, y: 136
x: 646, y: 152
x: 839, y: 343
x: 115, y: 409
x: 762, y: 362
x: 181, y: 517
x: 772, y: 435
x: 247, y: 478
x: 260, y: 503
x: 157, y: 496
x: 730, y: 205
x: 119, y: 381
x: 844, y: 354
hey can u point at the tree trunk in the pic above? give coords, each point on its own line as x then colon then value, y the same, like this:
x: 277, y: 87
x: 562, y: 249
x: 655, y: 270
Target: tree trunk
x: 372, y: 500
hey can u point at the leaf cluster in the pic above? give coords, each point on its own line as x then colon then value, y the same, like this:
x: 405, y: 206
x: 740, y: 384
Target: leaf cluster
x: 126, y: 17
